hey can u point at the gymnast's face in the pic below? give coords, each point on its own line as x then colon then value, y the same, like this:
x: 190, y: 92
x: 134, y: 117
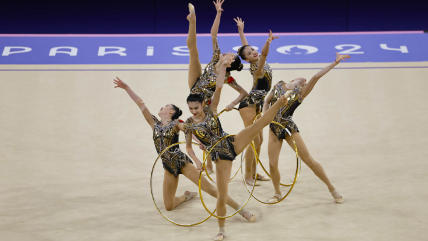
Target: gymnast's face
x: 251, y: 55
x: 166, y: 110
x: 195, y: 108
x: 224, y: 56
x: 298, y: 82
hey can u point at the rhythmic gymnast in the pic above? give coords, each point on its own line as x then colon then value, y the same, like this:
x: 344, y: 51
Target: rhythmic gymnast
x: 166, y: 133
x: 205, y: 125
x: 252, y: 104
x: 204, y: 83
x: 300, y: 89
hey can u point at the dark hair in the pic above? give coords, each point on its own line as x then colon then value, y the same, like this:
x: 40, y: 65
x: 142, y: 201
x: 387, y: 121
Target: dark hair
x: 177, y: 113
x: 235, y: 65
x: 195, y: 98
x: 241, y: 51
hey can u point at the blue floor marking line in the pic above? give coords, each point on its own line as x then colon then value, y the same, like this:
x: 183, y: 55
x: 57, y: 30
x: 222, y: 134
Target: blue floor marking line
x: 173, y: 50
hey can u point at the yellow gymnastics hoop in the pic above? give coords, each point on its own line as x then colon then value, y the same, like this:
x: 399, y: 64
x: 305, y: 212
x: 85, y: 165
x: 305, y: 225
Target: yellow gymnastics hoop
x: 299, y: 166
x: 200, y: 178
x: 204, y: 155
x: 296, y: 175
x: 153, y: 197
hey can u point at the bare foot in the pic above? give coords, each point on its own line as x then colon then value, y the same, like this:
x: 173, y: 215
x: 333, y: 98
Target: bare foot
x: 189, y: 195
x: 262, y: 178
x: 192, y: 16
x: 251, y: 182
x: 250, y: 217
x: 219, y: 236
x: 337, y: 197
x: 275, y: 198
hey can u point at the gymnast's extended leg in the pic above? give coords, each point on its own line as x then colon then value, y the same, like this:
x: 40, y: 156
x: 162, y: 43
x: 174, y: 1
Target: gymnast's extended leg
x: 312, y: 164
x: 195, y: 68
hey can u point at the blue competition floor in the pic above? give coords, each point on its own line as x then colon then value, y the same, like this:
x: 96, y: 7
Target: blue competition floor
x: 171, y: 49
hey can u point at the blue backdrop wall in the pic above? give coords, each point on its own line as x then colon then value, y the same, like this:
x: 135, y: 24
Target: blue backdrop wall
x: 168, y: 16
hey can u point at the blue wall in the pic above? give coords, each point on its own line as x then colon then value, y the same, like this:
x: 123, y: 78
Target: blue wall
x: 168, y: 16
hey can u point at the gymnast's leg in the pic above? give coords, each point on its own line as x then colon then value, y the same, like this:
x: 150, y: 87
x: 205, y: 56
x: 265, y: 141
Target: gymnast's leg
x: 170, y: 183
x: 195, y: 68
x: 244, y: 137
x: 312, y: 164
x: 274, y: 149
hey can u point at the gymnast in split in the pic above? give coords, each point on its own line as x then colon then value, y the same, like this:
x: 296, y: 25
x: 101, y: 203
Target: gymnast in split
x: 205, y: 125
x: 300, y: 89
x: 252, y: 104
x: 166, y: 133
x: 204, y: 83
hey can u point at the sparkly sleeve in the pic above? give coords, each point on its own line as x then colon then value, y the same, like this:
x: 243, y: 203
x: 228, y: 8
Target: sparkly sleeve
x: 155, y: 120
x: 300, y: 94
x: 216, y: 55
x: 188, y: 127
x: 174, y: 123
x: 209, y: 112
x: 232, y: 82
x: 253, y: 68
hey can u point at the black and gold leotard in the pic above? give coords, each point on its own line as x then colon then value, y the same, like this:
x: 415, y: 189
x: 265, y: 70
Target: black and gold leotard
x: 206, y: 84
x: 209, y: 132
x: 261, y: 87
x: 285, y: 114
x: 163, y: 136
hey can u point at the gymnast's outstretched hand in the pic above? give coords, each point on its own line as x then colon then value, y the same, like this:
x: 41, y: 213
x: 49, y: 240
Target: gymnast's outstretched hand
x: 271, y: 37
x: 119, y: 83
x: 228, y: 61
x: 218, y: 4
x: 341, y: 57
x: 239, y: 23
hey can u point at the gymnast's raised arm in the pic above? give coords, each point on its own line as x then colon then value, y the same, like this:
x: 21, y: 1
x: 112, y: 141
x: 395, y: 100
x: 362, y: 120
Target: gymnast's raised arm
x: 216, y: 24
x: 263, y: 55
x: 308, y: 87
x: 119, y: 83
x: 219, y: 84
x: 240, y: 25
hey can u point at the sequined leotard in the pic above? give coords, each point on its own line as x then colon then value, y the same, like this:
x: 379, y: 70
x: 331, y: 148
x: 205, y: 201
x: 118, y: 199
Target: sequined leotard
x: 206, y: 84
x: 163, y: 136
x: 209, y: 132
x: 285, y: 114
x: 261, y: 87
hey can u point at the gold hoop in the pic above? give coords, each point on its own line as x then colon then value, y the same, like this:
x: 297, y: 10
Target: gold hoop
x: 296, y: 175
x: 299, y: 166
x: 200, y: 178
x: 153, y: 197
x: 204, y: 154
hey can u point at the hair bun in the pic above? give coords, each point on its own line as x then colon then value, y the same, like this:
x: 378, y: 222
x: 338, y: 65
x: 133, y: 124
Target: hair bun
x: 241, y: 66
x: 177, y: 113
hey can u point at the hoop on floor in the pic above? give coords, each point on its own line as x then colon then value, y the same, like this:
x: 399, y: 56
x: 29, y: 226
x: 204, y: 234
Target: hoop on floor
x: 204, y: 154
x: 299, y: 166
x: 153, y: 197
x: 200, y: 178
